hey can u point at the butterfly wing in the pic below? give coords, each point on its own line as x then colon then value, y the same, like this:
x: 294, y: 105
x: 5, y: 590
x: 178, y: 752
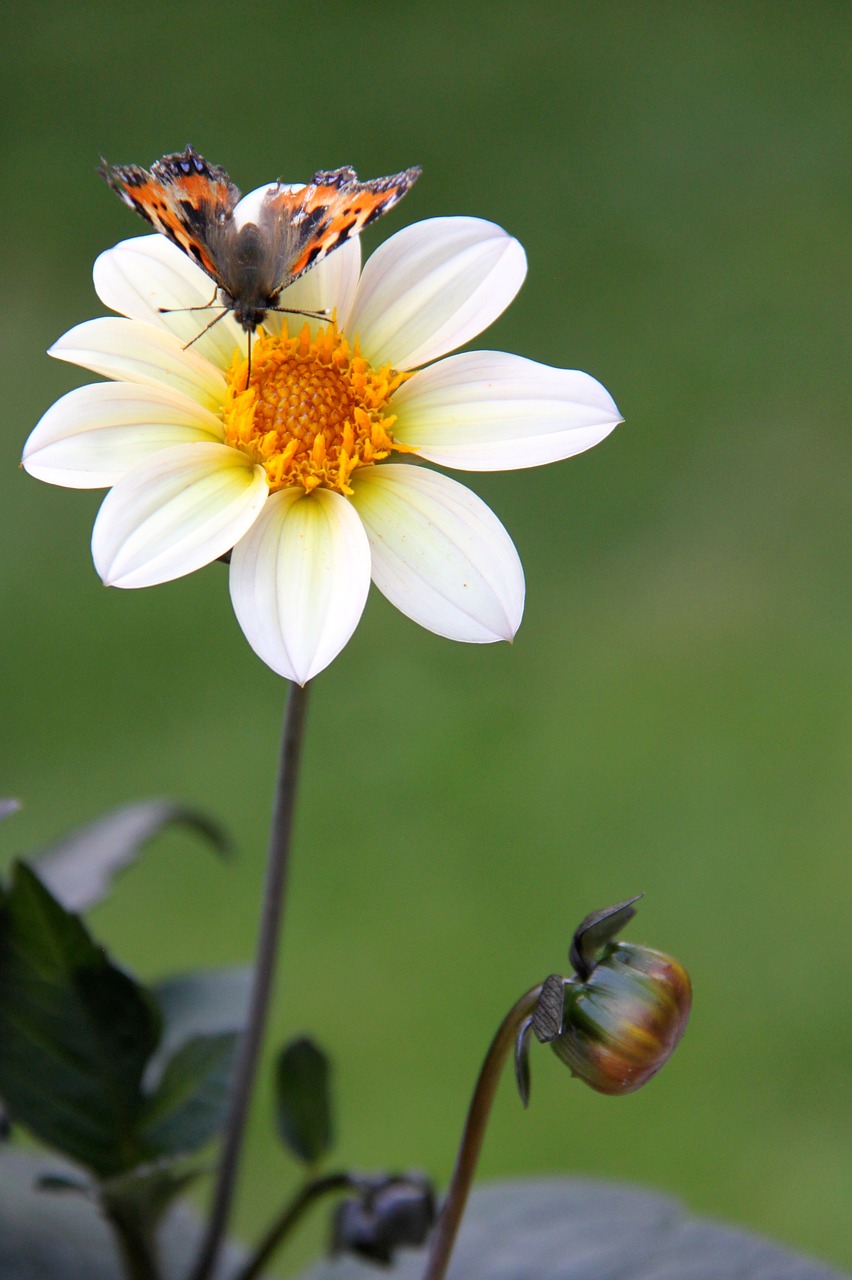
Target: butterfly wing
x: 183, y: 196
x: 306, y: 225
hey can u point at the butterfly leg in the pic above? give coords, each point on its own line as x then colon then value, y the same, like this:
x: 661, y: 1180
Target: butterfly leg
x: 207, y: 327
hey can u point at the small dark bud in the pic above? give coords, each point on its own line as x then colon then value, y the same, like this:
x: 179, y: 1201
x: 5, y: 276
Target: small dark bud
x: 392, y: 1213
x: 623, y: 1021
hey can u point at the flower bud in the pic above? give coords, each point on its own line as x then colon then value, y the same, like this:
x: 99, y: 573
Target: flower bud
x: 390, y: 1213
x: 623, y: 1021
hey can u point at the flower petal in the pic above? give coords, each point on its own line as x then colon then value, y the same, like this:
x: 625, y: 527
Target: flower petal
x: 299, y: 581
x: 329, y: 286
x: 130, y: 351
x: 248, y: 209
x: 439, y: 554
x: 141, y: 277
x: 489, y: 411
x: 183, y: 508
x: 432, y: 287
x: 90, y: 437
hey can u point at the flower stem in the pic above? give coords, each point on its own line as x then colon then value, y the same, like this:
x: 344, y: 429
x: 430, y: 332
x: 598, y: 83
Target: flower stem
x: 289, y: 1217
x: 272, y: 910
x: 474, y: 1133
x: 136, y: 1246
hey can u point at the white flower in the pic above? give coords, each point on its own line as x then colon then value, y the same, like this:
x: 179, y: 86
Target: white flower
x: 294, y: 474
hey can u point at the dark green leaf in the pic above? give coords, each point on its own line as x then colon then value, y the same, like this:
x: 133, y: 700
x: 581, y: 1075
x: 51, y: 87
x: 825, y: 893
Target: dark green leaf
x: 567, y: 1229
x: 206, y: 1003
x: 303, y: 1095
x: 79, y: 868
x: 75, y: 1031
x: 593, y: 933
x: 59, y: 1237
x: 189, y: 1105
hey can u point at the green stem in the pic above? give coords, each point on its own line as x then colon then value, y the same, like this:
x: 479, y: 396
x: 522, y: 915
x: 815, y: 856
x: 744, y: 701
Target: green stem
x: 450, y: 1217
x: 272, y: 910
x: 290, y: 1216
x: 137, y: 1248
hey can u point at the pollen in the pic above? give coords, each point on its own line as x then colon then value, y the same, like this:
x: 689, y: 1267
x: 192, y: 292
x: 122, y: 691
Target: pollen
x: 314, y: 409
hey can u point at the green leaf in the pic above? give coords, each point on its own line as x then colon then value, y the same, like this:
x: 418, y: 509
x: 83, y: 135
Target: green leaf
x: 205, y: 1003
x: 189, y: 1105
x: 303, y: 1096
x: 79, y: 868
x: 75, y: 1032
x: 141, y: 1197
x: 48, y: 1236
x: 568, y: 1229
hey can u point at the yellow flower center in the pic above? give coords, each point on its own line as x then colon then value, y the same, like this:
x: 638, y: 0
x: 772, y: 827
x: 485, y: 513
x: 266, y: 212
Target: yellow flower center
x: 314, y: 410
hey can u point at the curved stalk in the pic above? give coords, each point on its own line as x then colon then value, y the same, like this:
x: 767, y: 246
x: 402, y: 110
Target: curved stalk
x: 474, y: 1133
x: 289, y: 1217
x: 136, y: 1246
x: 272, y: 910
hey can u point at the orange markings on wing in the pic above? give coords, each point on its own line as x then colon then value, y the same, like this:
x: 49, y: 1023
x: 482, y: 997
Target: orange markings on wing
x: 343, y: 213
x: 202, y: 191
x: 159, y: 202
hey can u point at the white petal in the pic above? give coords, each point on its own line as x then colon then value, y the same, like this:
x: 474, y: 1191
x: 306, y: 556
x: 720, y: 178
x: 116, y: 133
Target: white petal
x: 130, y: 351
x: 329, y: 286
x: 299, y: 581
x: 432, y: 287
x: 93, y: 435
x: 139, y: 277
x: 248, y: 209
x: 489, y: 411
x: 439, y: 554
x: 176, y: 512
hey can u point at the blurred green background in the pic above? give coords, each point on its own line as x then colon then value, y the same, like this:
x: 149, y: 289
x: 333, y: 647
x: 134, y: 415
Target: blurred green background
x: 674, y: 715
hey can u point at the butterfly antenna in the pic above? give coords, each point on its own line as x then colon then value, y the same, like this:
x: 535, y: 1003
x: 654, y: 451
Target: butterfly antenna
x: 167, y: 311
x: 207, y: 327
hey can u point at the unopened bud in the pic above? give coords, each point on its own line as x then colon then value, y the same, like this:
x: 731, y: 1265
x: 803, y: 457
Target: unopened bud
x: 391, y: 1213
x: 622, y: 1023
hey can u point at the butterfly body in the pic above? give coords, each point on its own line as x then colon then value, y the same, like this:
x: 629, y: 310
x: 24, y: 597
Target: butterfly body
x: 251, y: 262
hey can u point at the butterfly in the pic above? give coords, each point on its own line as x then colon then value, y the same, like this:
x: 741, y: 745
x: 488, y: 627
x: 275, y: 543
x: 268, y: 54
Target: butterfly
x: 192, y: 202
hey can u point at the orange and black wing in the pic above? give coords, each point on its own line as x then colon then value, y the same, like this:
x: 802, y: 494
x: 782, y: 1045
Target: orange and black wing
x: 184, y: 197
x: 333, y: 207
